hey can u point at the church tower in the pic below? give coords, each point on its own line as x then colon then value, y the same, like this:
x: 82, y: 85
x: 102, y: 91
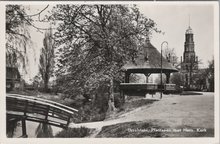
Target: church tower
x: 189, y: 63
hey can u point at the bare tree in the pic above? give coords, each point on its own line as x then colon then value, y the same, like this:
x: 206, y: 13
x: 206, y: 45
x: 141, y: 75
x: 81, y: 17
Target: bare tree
x: 170, y: 55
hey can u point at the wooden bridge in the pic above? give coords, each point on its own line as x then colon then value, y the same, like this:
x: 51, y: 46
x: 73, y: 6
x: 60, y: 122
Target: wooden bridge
x: 20, y: 107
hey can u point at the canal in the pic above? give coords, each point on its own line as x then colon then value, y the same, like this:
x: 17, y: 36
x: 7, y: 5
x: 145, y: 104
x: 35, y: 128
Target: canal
x: 31, y: 129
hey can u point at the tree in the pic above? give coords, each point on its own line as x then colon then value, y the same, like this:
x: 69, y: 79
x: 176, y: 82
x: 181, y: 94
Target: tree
x: 94, y: 42
x: 177, y: 78
x: 46, y: 63
x: 211, y: 75
x: 204, y: 78
x: 158, y: 79
x: 170, y: 55
x: 17, y: 33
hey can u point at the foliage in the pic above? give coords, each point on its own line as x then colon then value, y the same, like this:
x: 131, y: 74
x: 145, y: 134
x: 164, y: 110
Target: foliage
x: 204, y: 79
x: 177, y: 78
x: 91, y: 113
x: 135, y: 78
x: 18, y: 39
x: 73, y: 133
x: 95, y: 109
x: 46, y: 63
x: 158, y: 79
x: 37, y: 82
x: 44, y: 131
x: 94, y: 42
x: 170, y: 55
x: 17, y: 35
x: 211, y: 75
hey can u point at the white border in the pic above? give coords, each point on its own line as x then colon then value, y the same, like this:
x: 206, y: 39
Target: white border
x: 3, y: 138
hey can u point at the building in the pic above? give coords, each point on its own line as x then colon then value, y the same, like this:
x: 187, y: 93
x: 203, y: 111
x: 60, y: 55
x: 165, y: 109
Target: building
x: 13, y: 78
x: 189, y: 62
x: 147, y: 62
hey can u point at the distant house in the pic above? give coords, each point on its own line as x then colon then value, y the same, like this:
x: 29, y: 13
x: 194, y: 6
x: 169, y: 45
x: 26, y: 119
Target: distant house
x: 13, y: 78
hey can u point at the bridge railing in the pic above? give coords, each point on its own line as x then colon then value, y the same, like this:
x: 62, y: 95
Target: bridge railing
x: 45, y: 100
x: 40, y: 110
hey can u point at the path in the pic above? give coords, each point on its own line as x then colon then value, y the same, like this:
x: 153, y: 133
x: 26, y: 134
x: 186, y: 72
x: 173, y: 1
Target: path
x: 172, y: 110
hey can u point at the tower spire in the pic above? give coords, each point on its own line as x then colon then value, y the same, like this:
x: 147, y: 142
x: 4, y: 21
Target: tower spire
x: 189, y: 30
x: 189, y: 20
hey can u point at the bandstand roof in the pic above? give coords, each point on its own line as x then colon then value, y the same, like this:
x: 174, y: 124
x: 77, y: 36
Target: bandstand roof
x: 148, y: 60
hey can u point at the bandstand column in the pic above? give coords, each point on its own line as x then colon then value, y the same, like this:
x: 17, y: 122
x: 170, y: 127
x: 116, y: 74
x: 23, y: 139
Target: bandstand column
x: 127, y: 75
x: 147, y: 76
x: 167, y: 78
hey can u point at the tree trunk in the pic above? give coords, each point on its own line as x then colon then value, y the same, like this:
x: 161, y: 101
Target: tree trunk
x: 111, y: 104
x: 46, y: 84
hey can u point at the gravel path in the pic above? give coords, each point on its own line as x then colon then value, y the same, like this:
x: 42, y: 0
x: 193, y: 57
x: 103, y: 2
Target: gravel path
x: 172, y: 111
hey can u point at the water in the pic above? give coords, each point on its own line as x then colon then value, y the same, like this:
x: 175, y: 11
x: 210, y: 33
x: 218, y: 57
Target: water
x: 31, y: 128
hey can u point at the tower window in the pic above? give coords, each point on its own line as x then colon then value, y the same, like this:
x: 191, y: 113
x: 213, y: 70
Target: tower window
x: 186, y: 58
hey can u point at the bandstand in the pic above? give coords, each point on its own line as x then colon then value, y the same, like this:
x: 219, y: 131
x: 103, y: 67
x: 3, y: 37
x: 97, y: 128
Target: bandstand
x: 147, y: 62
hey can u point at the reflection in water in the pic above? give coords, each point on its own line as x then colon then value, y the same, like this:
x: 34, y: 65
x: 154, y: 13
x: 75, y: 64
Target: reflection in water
x: 44, y: 131
x: 11, y: 127
x: 33, y: 129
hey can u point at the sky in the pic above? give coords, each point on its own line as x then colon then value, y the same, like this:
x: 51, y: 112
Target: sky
x: 172, y: 19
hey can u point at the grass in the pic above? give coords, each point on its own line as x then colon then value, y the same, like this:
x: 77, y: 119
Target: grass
x: 140, y: 129
x: 135, y: 103
x: 130, y: 105
x: 74, y: 133
x: 124, y: 130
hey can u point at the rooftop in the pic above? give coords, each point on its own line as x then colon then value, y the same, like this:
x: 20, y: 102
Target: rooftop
x: 189, y: 30
x: 148, y: 60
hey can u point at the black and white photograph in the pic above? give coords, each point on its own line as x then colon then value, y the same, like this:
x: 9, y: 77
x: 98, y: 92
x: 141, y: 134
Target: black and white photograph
x: 111, y: 70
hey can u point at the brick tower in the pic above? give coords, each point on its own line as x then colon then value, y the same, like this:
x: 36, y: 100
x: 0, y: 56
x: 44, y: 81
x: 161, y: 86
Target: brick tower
x: 189, y: 63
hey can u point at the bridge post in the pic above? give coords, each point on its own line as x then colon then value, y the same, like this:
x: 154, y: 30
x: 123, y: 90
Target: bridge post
x: 47, y: 113
x: 68, y: 121
x: 24, y: 132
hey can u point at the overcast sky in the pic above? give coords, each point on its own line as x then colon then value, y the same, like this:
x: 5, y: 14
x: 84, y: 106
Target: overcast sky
x: 170, y: 18
x: 174, y: 20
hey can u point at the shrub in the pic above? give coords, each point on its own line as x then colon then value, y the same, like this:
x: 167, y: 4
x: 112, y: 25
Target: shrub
x: 118, y: 100
x: 74, y: 132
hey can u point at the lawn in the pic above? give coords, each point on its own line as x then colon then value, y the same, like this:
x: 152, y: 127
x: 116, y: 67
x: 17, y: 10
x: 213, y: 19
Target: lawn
x: 139, y: 129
